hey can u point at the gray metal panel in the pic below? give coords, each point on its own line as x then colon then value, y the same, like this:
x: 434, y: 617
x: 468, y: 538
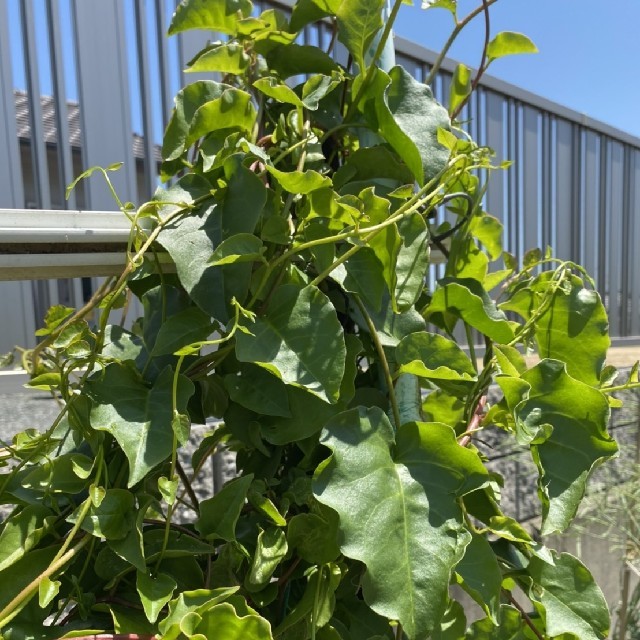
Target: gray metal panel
x: 565, y: 159
x: 11, y: 191
x: 63, y: 149
x: 37, y: 147
x: 546, y: 184
x: 16, y: 310
x: 103, y: 88
x: 150, y: 165
x: 530, y: 180
x: 494, y: 109
x: 589, y: 252
x: 634, y: 280
x: 615, y: 238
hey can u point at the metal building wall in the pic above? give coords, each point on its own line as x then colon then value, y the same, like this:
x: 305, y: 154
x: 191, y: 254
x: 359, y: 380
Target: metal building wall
x: 575, y: 183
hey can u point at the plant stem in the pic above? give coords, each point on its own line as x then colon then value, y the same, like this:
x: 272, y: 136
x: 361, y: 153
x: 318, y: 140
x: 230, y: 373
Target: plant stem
x: 383, y: 360
x: 399, y: 632
x: 188, y: 487
x: 472, y: 349
x: 15, y: 606
x: 483, y: 61
x: 454, y: 34
x: 525, y: 617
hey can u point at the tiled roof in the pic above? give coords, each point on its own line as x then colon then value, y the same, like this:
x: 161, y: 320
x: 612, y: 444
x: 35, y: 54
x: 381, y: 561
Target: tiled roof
x: 47, y: 104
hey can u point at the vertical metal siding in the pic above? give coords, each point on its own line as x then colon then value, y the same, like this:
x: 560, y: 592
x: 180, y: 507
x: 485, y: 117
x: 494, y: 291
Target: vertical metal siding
x: 575, y: 183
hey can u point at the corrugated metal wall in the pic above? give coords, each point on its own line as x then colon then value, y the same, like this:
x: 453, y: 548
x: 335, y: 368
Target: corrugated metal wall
x: 112, y: 73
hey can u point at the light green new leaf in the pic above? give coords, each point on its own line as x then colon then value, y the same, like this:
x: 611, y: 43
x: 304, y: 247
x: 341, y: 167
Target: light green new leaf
x: 434, y: 357
x: 399, y: 510
x: 185, y: 327
x: 187, y: 101
x: 303, y: 182
x: 223, y: 621
x: 21, y: 532
x: 489, y: 231
x: 277, y: 90
x: 221, y: 15
x: 228, y: 57
x: 219, y: 515
x: 187, y: 602
x: 509, y: 43
x: 460, y: 86
x: 572, y: 601
x: 137, y: 416
x: 574, y: 329
x: 154, y: 592
x: 412, y: 262
x: 243, y: 247
x: 578, y: 415
x: 271, y: 549
x: 232, y: 110
x: 300, y: 339
x: 466, y: 299
x: 358, y: 23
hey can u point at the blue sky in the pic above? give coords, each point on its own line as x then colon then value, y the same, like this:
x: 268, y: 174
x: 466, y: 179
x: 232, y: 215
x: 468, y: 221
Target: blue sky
x: 589, y: 57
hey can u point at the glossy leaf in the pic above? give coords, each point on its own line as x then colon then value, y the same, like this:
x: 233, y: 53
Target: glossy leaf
x: 279, y: 91
x: 572, y: 601
x: 412, y: 262
x: 242, y: 247
x: 219, y: 515
x: 223, y: 621
x: 466, y: 299
x: 183, y: 328
x: 303, y: 182
x: 298, y: 59
x: 434, y: 357
x: 407, y: 529
x: 300, y: 339
x: 21, y: 532
x: 577, y: 443
x: 408, y: 117
x: 509, y: 43
x: 308, y: 415
x: 187, y: 102
x: 574, y: 329
x: 480, y: 575
x: 460, y: 86
x: 232, y: 110
x: 213, y: 16
x: 112, y: 519
x: 511, y: 626
x: 228, y: 57
x: 358, y: 23
x: 314, y: 538
x: 192, y: 240
x: 155, y: 592
x: 137, y: 416
x: 258, y: 390
x: 271, y: 549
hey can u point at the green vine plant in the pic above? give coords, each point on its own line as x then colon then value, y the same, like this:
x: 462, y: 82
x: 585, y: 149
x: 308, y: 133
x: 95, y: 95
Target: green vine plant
x: 283, y: 275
